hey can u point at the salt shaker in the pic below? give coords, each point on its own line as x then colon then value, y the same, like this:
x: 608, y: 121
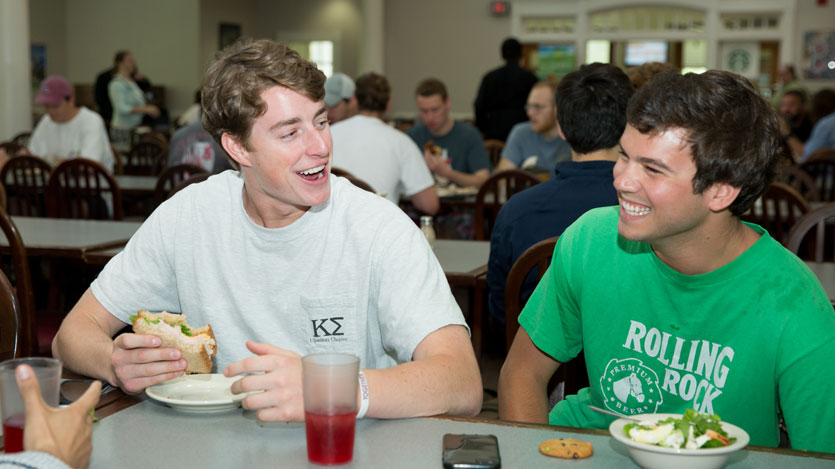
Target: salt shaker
x: 428, y: 230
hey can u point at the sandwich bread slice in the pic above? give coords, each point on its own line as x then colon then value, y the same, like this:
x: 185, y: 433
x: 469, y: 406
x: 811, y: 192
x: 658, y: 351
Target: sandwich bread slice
x: 197, y: 345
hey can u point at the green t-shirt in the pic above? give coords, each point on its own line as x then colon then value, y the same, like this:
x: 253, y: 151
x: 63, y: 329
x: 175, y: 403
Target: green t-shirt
x: 731, y: 342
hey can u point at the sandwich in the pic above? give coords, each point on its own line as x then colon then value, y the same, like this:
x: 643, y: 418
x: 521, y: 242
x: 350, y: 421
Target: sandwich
x: 198, y: 345
x: 434, y: 149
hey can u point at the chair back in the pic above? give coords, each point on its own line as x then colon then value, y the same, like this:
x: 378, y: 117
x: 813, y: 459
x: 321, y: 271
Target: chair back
x: 494, y: 150
x: 22, y: 139
x: 494, y: 193
x: 819, y: 245
x: 822, y: 154
x: 200, y: 177
x: 118, y: 161
x: 799, y: 180
x: 777, y: 210
x: 9, y: 320
x: 353, y: 179
x: 11, y: 148
x: 340, y: 172
x: 25, y: 179
x: 146, y: 158
x: 24, y: 310
x: 823, y: 172
x: 537, y: 257
x: 82, y: 188
x: 172, y: 177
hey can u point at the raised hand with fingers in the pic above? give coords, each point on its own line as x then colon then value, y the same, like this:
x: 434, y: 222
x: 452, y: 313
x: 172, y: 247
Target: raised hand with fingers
x: 64, y: 433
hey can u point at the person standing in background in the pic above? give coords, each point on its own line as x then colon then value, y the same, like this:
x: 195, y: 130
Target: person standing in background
x: 128, y: 102
x: 500, y: 103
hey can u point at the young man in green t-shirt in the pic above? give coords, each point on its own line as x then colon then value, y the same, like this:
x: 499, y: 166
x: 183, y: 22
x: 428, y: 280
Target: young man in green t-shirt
x: 676, y: 302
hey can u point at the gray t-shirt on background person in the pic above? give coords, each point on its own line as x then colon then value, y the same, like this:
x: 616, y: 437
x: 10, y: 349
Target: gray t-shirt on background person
x: 463, y: 144
x: 353, y: 275
x: 523, y: 143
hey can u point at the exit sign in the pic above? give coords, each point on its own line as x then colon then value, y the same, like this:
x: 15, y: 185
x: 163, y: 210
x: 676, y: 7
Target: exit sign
x: 500, y: 8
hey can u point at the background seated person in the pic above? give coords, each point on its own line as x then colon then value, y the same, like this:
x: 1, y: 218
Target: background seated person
x: 675, y: 302
x: 539, y: 136
x: 592, y: 111
x: 68, y: 131
x: 384, y: 157
x: 295, y: 258
x: 339, y: 97
x: 463, y: 159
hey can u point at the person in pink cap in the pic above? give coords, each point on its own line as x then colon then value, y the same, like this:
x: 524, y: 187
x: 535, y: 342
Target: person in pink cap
x: 68, y: 131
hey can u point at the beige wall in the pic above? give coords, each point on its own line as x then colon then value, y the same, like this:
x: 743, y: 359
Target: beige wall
x: 214, y: 12
x: 48, y: 26
x: 812, y: 17
x: 163, y: 36
x: 455, y: 41
x: 340, y: 20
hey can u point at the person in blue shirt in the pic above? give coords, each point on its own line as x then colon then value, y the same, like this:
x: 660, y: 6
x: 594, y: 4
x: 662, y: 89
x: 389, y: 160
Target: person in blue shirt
x: 539, y: 137
x: 591, y: 111
x: 823, y: 133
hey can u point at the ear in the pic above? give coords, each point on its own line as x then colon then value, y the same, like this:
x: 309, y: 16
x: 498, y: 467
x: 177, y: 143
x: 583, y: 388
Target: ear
x: 388, y: 106
x: 559, y: 130
x: 235, y: 149
x: 721, y: 195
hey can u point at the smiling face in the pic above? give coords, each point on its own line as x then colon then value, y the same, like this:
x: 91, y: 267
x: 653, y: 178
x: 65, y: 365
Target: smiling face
x: 654, y: 181
x: 541, y: 109
x: 434, y: 112
x: 286, y: 164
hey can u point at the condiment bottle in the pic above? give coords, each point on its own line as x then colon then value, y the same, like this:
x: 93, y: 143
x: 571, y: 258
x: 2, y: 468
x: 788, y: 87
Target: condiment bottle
x: 426, y: 226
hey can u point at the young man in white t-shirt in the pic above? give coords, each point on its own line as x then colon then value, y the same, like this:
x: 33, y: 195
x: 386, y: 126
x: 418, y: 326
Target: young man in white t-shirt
x: 68, y: 131
x: 281, y: 252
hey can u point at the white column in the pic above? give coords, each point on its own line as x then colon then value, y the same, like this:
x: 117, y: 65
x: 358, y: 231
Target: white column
x: 371, y: 48
x: 15, y: 73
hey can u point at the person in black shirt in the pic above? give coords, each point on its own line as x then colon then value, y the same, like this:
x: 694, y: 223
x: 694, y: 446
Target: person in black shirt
x: 501, y: 99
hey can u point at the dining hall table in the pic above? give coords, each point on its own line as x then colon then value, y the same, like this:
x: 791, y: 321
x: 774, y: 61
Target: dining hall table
x: 138, y: 432
x: 69, y: 238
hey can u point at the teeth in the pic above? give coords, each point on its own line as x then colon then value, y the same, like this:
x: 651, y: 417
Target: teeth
x: 634, y: 209
x: 312, y: 170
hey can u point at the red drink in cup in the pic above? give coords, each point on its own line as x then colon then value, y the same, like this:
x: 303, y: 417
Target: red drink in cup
x: 330, y: 406
x: 13, y: 433
x: 330, y: 438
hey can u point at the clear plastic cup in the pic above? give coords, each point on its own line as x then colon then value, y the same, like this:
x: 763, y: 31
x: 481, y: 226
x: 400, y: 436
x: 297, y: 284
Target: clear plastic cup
x: 330, y: 406
x: 48, y: 372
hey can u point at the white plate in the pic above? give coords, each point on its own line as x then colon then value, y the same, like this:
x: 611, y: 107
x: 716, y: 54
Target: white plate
x: 653, y: 456
x: 197, y: 393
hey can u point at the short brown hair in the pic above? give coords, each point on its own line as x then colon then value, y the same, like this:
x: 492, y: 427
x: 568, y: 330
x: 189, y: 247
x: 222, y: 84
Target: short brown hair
x: 234, y: 82
x: 431, y: 87
x: 642, y: 74
x: 373, y: 92
x: 732, y: 132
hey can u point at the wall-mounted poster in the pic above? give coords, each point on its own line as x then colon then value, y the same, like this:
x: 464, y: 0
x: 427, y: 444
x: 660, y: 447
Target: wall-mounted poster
x: 555, y: 61
x: 819, y: 54
x: 37, y: 55
x: 742, y: 58
x: 229, y: 33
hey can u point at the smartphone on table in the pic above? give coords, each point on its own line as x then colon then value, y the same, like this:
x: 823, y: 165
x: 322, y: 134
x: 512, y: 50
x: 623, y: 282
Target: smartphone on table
x: 471, y: 452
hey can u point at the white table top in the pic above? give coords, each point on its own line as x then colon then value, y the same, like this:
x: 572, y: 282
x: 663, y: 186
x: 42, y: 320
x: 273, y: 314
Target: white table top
x: 136, y: 183
x: 826, y: 274
x: 152, y: 435
x: 462, y: 258
x: 68, y: 237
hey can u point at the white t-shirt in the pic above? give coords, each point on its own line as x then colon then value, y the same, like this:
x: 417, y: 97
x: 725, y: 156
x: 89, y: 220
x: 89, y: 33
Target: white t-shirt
x: 84, y: 135
x: 385, y: 158
x: 352, y: 275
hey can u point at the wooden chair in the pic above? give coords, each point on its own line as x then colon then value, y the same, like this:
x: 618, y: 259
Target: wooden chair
x: 146, y: 158
x: 172, y: 177
x: 80, y: 188
x: 22, y: 138
x: 158, y: 137
x: 25, y: 179
x: 823, y: 172
x: 340, y: 172
x: 799, y: 180
x: 822, y: 154
x: 3, y: 198
x: 354, y: 180
x: 494, y: 193
x: 118, y: 161
x: 494, y: 150
x: 27, y: 336
x: 777, y: 210
x: 192, y: 180
x: 571, y: 376
x: 11, y: 148
x: 9, y: 320
x: 820, y: 243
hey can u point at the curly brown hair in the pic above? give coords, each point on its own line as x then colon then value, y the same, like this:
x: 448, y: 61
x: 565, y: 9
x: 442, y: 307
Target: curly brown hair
x: 733, y: 133
x: 233, y: 84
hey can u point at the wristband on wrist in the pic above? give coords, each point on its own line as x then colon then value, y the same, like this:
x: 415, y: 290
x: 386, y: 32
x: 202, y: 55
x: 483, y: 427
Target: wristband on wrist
x: 363, y: 395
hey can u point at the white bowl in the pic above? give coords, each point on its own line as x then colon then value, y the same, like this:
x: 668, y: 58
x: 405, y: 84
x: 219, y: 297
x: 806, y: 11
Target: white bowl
x: 658, y: 457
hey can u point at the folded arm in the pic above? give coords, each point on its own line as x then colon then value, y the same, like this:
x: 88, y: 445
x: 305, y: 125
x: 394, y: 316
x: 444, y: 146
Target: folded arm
x: 523, y: 382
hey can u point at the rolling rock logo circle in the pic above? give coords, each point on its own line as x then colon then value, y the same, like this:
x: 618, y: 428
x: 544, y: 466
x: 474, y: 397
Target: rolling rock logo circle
x: 630, y: 388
